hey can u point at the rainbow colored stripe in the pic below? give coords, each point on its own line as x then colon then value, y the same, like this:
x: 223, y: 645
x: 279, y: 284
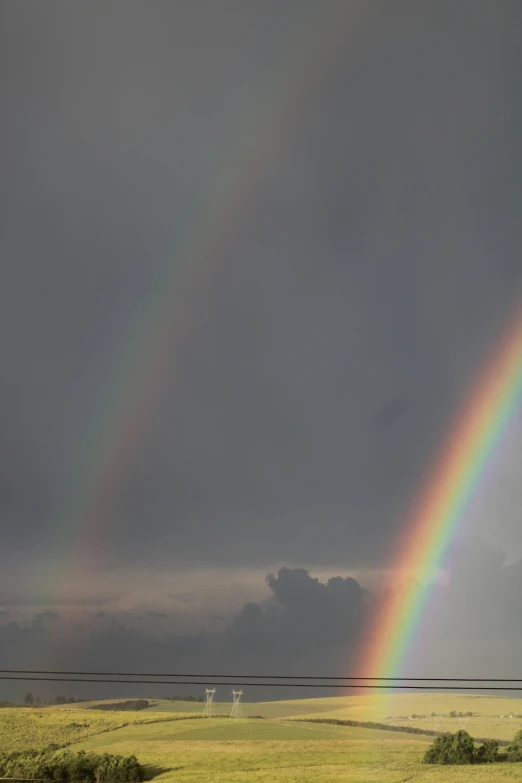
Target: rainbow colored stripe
x: 441, y: 507
x: 194, y: 271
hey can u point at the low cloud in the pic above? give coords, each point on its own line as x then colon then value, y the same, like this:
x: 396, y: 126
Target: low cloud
x: 303, y: 625
x: 470, y: 627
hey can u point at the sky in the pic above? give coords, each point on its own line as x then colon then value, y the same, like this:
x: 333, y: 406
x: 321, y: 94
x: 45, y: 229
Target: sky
x: 353, y: 171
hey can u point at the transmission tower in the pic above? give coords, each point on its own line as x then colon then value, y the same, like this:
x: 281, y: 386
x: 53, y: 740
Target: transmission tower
x: 236, y: 706
x: 209, y: 693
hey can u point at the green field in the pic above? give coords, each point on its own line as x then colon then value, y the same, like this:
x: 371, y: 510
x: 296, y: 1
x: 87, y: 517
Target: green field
x: 22, y: 728
x: 177, y: 745
x: 393, y: 709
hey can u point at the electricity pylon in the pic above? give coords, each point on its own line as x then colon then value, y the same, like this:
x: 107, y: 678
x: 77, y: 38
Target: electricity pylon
x: 208, y: 706
x: 236, y: 706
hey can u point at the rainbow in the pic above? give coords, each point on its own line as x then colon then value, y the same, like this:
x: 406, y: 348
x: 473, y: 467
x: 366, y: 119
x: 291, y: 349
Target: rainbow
x: 441, y: 507
x: 193, y: 273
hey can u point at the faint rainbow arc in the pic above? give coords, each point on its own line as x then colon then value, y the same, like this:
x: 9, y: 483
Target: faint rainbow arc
x: 183, y: 288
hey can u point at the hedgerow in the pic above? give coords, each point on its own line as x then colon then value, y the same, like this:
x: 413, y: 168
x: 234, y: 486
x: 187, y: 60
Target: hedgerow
x: 48, y: 764
x: 367, y: 724
x: 128, y: 704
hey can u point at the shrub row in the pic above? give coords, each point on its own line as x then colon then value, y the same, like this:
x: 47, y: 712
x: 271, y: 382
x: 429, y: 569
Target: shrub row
x: 128, y: 704
x: 47, y: 764
x: 384, y: 727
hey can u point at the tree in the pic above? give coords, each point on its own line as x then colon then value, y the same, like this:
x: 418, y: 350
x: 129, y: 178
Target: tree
x: 449, y: 748
x: 28, y: 699
x: 515, y: 749
x: 488, y: 752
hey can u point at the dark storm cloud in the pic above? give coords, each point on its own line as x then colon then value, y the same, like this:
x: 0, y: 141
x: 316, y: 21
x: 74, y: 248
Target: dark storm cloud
x: 377, y: 251
x: 470, y: 628
x: 308, y: 625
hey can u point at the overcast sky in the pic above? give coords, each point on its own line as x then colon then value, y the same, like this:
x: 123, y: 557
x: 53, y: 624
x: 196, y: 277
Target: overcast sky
x: 340, y: 313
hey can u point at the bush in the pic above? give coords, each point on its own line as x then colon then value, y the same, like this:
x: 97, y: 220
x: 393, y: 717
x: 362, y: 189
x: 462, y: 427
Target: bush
x: 515, y: 749
x: 459, y: 748
x: 449, y: 748
x: 488, y: 752
x: 49, y: 765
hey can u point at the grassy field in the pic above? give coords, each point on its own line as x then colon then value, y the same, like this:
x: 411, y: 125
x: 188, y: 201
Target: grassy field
x: 22, y: 728
x: 178, y: 746
x: 396, y: 709
x: 393, y: 709
x: 220, y: 750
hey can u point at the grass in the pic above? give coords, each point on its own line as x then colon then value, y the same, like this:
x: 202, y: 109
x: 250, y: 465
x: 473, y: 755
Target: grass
x: 261, y: 751
x: 156, y: 705
x: 275, y: 749
x: 225, y: 730
x: 395, y: 709
x: 22, y: 728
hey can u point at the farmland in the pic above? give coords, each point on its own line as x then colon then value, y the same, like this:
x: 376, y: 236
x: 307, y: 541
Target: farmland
x: 176, y: 744
x: 23, y: 728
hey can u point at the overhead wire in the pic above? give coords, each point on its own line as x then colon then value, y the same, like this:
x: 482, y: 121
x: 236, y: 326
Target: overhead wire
x: 260, y: 676
x: 267, y: 684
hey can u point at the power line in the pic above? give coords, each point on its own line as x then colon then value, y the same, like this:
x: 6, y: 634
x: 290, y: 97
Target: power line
x: 260, y: 676
x: 272, y: 684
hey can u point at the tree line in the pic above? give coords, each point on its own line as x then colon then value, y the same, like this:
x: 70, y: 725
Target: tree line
x: 369, y: 724
x: 127, y: 704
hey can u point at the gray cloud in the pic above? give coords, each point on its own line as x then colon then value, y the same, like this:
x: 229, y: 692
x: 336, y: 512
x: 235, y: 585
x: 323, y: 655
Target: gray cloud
x: 471, y: 627
x: 307, y: 626
x: 375, y: 257
x: 390, y: 412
